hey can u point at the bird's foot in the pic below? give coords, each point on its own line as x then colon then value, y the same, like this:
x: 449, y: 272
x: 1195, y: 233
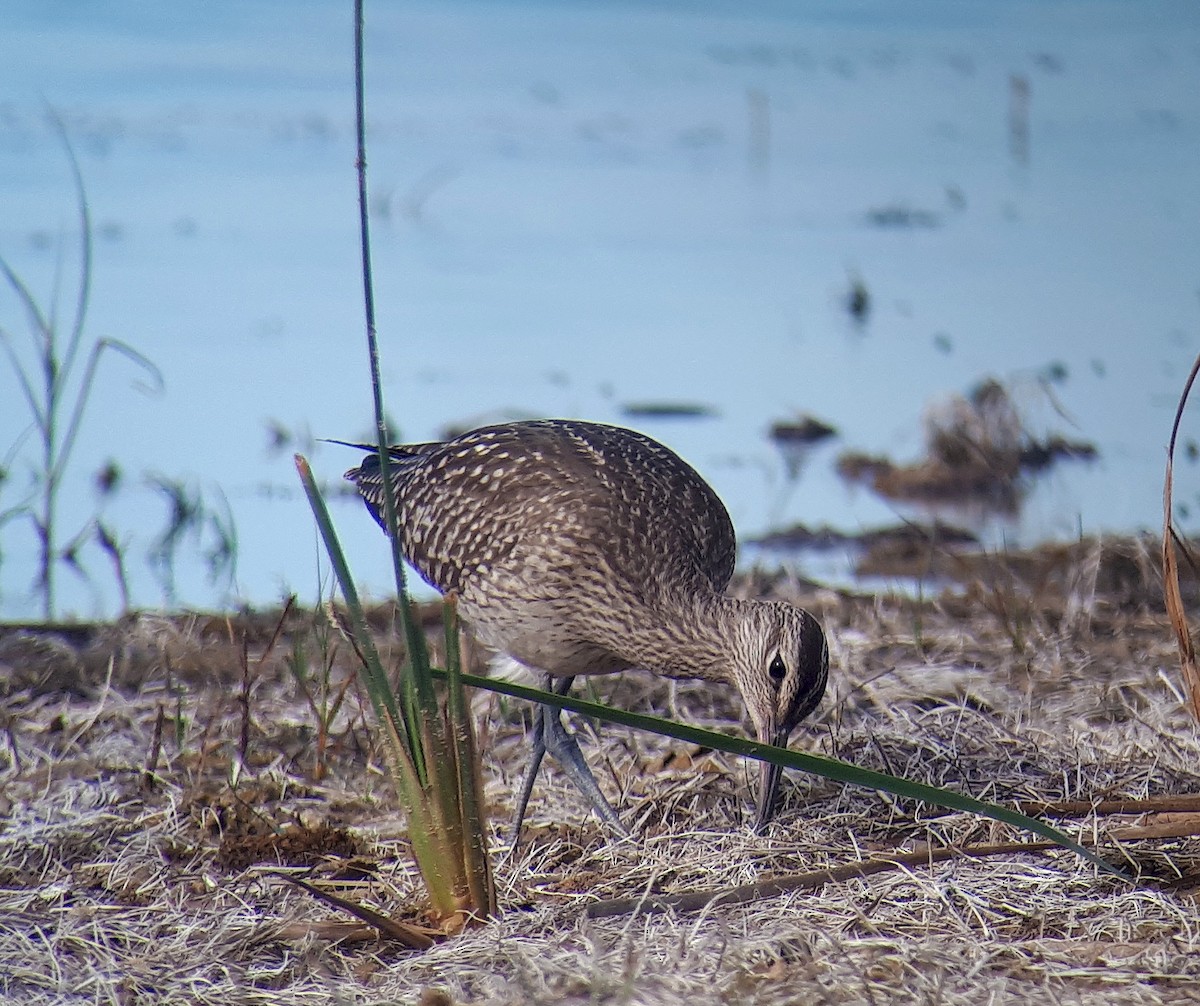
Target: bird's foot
x: 564, y: 749
x: 550, y: 735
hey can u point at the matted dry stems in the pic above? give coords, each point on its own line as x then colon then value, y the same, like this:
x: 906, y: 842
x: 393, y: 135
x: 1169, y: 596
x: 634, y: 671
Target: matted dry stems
x: 112, y: 888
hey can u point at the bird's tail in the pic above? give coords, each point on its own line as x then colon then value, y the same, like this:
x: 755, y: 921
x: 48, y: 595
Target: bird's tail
x: 405, y: 457
x: 368, y: 478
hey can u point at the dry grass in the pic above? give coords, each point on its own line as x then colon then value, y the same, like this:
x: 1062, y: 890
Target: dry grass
x: 133, y: 871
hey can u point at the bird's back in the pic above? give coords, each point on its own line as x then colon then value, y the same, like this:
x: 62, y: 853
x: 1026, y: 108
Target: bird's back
x: 553, y: 505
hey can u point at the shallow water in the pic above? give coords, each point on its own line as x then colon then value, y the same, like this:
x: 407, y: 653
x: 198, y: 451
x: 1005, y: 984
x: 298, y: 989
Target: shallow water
x: 579, y: 206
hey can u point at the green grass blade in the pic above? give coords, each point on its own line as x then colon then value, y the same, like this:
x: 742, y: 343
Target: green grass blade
x: 434, y: 858
x: 83, y: 211
x: 419, y: 679
x: 821, y: 765
x: 378, y: 689
x: 71, y: 430
x: 436, y: 752
x: 39, y: 324
x: 35, y: 410
x: 405, y: 716
x: 431, y: 829
x: 476, y: 861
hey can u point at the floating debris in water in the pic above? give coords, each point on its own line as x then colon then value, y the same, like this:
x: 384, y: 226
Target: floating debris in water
x: 800, y: 537
x: 805, y: 430
x: 1055, y: 372
x: 858, y: 300
x: 796, y: 440
x: 978, y: 451
x: 902, y: 217
x: 279, y: 437
x: 668, y: 410
x: 916, y: 550
x: 108, y: 478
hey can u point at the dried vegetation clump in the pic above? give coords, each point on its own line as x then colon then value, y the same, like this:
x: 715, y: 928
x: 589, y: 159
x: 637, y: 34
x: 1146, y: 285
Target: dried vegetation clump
x: 162, y: 786
x: 979, y: 451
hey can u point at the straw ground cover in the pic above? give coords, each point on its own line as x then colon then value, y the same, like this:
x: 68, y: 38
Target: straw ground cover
x: 158, y: 788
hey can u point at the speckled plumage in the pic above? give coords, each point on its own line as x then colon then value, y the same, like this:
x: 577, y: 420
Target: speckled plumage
x: 579, y: 548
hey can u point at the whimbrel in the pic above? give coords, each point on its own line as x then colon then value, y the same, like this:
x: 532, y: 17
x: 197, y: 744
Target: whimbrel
x: 578, y: 548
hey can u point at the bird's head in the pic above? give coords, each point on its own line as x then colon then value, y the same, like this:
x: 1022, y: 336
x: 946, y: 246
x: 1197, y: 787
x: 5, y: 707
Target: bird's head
x: 780, y: 665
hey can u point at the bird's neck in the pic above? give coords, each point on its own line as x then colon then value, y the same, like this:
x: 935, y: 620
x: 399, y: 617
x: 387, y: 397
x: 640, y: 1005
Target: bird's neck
x: 693, y: 641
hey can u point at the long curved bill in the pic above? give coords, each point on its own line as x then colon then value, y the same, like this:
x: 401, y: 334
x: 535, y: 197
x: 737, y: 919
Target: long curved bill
x: 768, y: 782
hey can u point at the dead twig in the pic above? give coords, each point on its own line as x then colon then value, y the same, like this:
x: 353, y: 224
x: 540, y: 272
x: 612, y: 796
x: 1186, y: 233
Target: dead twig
x: 413, y: 937
x: 1172, y: 596
x: 694, y: 901
x: 1180, y: 802
x: 244, y: 695
x: 1182, y: 826
x: 155, y: 749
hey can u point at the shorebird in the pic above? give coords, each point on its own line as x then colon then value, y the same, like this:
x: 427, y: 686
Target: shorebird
x: 579, y: 548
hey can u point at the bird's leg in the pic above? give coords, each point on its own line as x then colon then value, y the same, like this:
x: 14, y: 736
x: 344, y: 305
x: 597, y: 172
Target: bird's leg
x: 538, y: 739
x: 549, y: 735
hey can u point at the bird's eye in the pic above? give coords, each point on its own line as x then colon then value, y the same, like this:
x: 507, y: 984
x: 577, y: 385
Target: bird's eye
x: 778, y: 669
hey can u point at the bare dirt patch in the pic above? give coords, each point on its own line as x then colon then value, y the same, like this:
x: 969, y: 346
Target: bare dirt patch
x: 156, y: 787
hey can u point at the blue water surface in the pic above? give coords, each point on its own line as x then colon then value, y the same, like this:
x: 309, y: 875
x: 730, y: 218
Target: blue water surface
x: 581, y: 206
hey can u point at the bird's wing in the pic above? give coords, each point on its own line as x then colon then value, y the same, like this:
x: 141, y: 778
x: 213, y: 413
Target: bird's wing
x: 669, y: 500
